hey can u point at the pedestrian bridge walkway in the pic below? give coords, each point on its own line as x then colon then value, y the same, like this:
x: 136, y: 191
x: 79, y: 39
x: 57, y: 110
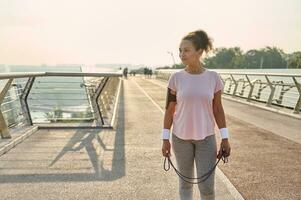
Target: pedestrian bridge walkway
x: 125, y: 162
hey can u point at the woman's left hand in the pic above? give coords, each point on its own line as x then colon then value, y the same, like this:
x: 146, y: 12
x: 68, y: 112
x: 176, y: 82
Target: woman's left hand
x: 225, y: 146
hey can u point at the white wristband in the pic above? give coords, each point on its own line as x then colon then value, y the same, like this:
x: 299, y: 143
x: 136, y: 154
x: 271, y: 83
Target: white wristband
x: 224, y: 133
x: 165, y: 134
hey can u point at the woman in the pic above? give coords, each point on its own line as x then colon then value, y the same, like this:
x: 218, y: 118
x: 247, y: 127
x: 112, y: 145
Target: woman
x: 193, y: 103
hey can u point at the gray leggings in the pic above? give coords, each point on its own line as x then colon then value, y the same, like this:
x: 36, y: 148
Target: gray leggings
x: 203, y: 153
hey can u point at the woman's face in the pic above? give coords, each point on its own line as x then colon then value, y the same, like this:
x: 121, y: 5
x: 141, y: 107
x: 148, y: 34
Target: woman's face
x: 188, y: 53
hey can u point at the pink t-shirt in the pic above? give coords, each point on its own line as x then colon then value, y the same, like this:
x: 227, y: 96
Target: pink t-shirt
x: 193, y: 118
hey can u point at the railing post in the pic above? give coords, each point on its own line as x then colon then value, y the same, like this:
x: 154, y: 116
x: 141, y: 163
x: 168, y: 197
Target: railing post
x: 251, y: 88
x: 229, y: 88
x: 103, y: 106
x: 236, y: 85
x: 243, y: 87
x: 4, y: 132
x: 23, y: 98
x: 269, y: 102
x: 95, y: 100
x: 298, y: 104
x: 279, y: 101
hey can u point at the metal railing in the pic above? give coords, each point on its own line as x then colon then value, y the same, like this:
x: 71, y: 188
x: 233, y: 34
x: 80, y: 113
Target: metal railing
x: 280, y: 89
x: 57, y: 98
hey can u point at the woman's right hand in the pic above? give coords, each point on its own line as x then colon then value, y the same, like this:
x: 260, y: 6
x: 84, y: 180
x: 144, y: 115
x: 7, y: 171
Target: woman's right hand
x: 166, y: 148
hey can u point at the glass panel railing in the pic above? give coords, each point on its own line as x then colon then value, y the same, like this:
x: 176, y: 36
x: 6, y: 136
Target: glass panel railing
x: 57, y: 98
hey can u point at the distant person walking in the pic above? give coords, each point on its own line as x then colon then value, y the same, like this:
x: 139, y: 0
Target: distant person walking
x: 150, y: 73
x: 193, y: 105
x: 125, y: 72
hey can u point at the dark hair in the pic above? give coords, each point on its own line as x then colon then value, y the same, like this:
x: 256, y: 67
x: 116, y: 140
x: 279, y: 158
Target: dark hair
x: 200, y: 40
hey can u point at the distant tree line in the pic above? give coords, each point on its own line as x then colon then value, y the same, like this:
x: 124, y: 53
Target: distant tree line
x: 235, y: 58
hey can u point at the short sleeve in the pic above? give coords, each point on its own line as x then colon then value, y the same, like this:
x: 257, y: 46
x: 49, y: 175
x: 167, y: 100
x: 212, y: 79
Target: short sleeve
x: 172, y: 82
x: 218, y: 83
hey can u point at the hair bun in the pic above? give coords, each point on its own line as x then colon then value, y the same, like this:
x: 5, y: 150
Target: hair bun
x: 200, y: 39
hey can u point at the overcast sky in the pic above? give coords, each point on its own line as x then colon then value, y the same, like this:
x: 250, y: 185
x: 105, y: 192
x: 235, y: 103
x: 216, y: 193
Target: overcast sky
x: 138, y: 31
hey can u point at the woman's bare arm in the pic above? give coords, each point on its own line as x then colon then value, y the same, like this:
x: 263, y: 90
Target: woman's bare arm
x: 219, y: 116
x: 171, y: 102
x: 218, y: 110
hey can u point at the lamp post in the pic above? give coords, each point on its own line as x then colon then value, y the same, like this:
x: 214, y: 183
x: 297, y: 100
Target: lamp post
x: 173, y: 58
